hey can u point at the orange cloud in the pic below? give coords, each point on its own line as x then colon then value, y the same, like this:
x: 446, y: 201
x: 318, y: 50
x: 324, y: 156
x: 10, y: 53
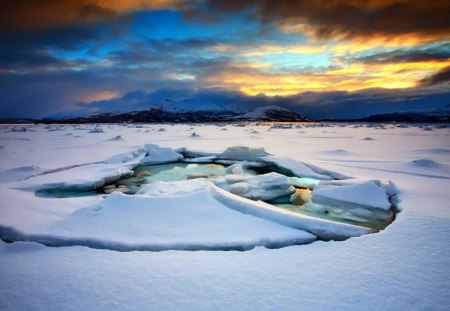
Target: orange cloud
x: 351, y: 78
x: 97, y: 96
x: 35, y: 14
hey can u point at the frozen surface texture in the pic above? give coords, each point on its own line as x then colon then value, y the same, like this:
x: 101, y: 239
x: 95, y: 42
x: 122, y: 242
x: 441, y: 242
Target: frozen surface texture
x: 404, y: 267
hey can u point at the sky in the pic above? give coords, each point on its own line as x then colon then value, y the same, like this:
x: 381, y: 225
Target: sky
x: 324, y: 58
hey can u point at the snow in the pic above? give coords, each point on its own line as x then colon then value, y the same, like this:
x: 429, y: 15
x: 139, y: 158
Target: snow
x: 260, y: 112
x: 404, y: 267
x: 192, y: 221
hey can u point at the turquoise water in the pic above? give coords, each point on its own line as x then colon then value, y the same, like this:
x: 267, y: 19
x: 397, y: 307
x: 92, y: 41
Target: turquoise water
x: 64, y: 193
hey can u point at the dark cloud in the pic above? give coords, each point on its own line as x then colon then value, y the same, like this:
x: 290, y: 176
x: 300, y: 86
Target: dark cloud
x: 441, y: 77
x: 31, y: 30
x: 30, y: 15
x: 439, y: 53
x: 344, y: 18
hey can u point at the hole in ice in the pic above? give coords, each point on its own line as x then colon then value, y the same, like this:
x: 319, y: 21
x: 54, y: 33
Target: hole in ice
x: 249, y: 180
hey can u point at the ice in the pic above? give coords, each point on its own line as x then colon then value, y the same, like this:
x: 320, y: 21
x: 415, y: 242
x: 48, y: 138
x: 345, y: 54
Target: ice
x: 206, y: 159
x: 192, y: 221
x: 324, y: 229
x: 181, y: 171
x: 131, y: 158
x: 242, y: 153
x: 261, y: 187
x: 363, y: 200
x: 158, y: 155
x: 366, y: 194
x: 81, y: 178
x: 96, y: 130
x: 304, y: 182
x: 181, y: 187
x: 297, y: 168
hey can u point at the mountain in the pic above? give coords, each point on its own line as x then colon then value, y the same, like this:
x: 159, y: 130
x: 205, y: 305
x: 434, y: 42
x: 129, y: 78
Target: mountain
x: 271, y: 113
x: 155, y: 115
x: 432, y: 115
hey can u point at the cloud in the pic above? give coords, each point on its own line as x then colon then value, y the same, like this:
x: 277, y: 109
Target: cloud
x: 27, y: 15
x: 441, y: 77
x: 344, y: 19
x: 439, y: 53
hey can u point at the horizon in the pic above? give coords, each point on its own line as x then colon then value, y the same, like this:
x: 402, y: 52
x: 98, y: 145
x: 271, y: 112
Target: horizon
x: 324, y: 60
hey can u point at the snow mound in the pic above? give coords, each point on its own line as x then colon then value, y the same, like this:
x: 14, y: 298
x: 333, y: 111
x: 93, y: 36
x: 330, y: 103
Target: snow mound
x: 337, y: 152
x: 96, y: 130
x: 426, y: 163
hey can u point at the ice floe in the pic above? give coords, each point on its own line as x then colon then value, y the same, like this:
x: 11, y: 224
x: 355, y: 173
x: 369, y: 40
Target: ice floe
x: 295, y: 167
x: 261, y: 187
x: 158, y: 155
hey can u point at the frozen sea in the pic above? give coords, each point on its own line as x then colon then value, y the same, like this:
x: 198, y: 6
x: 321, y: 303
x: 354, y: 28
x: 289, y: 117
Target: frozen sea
x: 404, y: 267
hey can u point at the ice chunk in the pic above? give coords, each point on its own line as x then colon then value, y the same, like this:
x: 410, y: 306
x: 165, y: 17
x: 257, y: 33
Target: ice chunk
x: 297, y: 168
x: 365, y: 200
x: 261, y: 187
x: 186, y: 222
x: 158, y: 155
x: 236, y: 169
x: 206, y: 159
x: 96, y: 130
x: 243, y: 153
x: 304, y: 182
x: 133, y: 157
x: 162, y: 188
x: 324, y: 229
x: 86, y: 177
x: 366, y: 194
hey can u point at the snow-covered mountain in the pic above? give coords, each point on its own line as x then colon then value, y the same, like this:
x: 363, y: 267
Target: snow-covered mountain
x: 171, y: 111
x: 185, y: 105
x: 271, y: 113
